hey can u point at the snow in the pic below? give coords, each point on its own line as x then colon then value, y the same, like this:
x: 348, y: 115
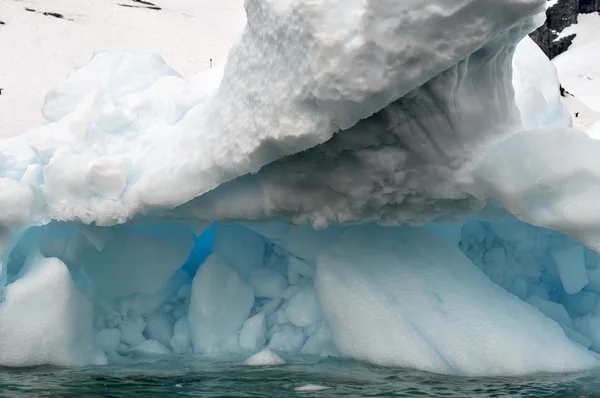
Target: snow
x: 132, y: 330
x: 159, y: 327
x: 267, y: 283
x: 578, y: 67
x: 39, y: 51
x: 571, y: 268
x: 181, y: 340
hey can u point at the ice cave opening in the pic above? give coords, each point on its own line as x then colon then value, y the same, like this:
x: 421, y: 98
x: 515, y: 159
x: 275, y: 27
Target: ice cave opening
x: 485, y: 296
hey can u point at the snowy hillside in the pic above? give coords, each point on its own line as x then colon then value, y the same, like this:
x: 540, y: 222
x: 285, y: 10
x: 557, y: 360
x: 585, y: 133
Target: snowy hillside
x: 571, y: 38
x: 43, y: 41
x: 579, y: 68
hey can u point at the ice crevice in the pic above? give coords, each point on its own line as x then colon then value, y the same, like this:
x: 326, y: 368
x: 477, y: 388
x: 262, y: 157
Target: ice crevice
x: 352, y: 183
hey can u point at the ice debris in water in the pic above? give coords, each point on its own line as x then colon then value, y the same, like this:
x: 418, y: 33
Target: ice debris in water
x: 265, y: 357
x: 311, y: 388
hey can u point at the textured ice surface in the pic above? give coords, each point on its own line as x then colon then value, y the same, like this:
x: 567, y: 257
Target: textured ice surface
x: 417, y: 302
x: 310, y: 388
x: 220, y: 303
x: 341, y: 117
x: 44, y: 319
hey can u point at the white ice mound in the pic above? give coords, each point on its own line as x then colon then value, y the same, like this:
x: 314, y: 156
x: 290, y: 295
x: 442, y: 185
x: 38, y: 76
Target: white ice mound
x: 265, y: 357
x: 331, y: 114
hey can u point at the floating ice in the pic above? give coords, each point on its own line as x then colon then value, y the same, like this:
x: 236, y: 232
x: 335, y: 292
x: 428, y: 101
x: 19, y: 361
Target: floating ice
x: 262, y: 205
x: 310, y: 388
x: 265, y: 357
x: 220, y: 303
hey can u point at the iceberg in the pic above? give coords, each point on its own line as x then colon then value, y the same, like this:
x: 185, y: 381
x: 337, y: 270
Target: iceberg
x: 394, y: 182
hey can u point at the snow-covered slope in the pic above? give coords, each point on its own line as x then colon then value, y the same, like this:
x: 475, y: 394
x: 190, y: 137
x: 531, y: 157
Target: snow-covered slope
x: 577, y: 68
x: 40, y: 50
x: 351, y: 119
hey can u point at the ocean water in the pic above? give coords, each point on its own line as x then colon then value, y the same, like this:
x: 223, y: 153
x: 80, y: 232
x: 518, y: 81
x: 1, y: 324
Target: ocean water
x: 192, y: 377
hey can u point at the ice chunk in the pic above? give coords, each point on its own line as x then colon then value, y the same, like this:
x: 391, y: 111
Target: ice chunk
x: 108, y: 340
x: 267, y: 283
x: 181, y: 341
x: 553, y: 310
x: 271, y: 306
x: 311, y: 388
x: 252, y: 336
x: 571, y: 268
x: 265, y: 357
x: 15, y: 199
x: 159, y: 327
x: 290, y: 292
x: 301, y: 267
x: 302, y: 309
x: 594, y: 277
x: 132, y: 330
x: 98, y: 357
x: 220, y: 303
x: 589, y: 325
x: 287, y: 338
x: 577, y: 337
x: 320, y: 341
x: 106, y: 176
x: 293, y: 276
x: 401, y: 303
x: 242, y: 248
x: 152, y: 347
x: 44, y: 319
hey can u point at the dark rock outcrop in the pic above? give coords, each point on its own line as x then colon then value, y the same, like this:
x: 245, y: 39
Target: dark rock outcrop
x: 561, y: 15
x: 587, y: 6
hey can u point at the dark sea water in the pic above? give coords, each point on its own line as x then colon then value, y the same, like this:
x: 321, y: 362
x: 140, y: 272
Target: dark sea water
x: 191, y: 377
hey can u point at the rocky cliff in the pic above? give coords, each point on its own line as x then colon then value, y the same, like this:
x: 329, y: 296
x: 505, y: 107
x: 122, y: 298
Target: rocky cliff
x: 560, y: 14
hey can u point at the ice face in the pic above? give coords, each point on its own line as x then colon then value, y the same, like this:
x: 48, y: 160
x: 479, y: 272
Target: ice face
x: 417, y: 302
x: 260, y: 207
x: 45, y: 318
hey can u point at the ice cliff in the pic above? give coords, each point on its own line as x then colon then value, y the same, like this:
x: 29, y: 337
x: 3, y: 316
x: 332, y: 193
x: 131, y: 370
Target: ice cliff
x: 395, y: 182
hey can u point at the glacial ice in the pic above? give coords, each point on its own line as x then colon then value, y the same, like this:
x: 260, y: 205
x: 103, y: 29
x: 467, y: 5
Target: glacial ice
x: 395, y: 182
